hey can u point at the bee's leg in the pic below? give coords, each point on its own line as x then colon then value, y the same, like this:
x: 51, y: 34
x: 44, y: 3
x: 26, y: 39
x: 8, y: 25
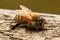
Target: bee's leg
x: 15, y: 26
x: 29, y: 27
x: 43, y: 22
x: 37, y: 26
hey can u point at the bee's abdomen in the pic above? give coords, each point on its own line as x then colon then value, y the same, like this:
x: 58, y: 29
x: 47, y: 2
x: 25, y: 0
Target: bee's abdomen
x: 21, y: 19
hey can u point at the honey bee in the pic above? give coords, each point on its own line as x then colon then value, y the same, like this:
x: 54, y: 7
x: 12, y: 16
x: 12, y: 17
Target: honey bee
x: 31, y: 20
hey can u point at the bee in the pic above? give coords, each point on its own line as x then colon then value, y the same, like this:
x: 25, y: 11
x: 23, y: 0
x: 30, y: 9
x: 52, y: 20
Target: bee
x: 31, y: 20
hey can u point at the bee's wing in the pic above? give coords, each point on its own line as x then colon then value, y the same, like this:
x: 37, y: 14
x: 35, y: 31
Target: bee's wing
x: 25, y: 9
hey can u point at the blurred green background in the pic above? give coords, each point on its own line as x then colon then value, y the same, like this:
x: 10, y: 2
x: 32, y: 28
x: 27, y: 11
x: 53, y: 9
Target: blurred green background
x: 45, y: 6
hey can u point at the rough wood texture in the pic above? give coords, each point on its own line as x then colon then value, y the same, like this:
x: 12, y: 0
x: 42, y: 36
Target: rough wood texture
x: 7, y: 21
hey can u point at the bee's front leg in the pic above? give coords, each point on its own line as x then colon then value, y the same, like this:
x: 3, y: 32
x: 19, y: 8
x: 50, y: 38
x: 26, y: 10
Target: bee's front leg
x: 40, y: 24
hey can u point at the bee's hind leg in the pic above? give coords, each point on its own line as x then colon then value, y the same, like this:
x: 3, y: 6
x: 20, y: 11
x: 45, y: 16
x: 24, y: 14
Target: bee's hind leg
x: 15, y: 26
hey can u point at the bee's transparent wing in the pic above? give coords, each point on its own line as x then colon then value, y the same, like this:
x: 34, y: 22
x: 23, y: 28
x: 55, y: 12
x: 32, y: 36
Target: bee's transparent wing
x: 25, y: 9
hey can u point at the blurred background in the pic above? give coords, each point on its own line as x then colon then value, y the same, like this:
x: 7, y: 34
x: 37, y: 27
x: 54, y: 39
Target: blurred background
x: 44, y: 6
